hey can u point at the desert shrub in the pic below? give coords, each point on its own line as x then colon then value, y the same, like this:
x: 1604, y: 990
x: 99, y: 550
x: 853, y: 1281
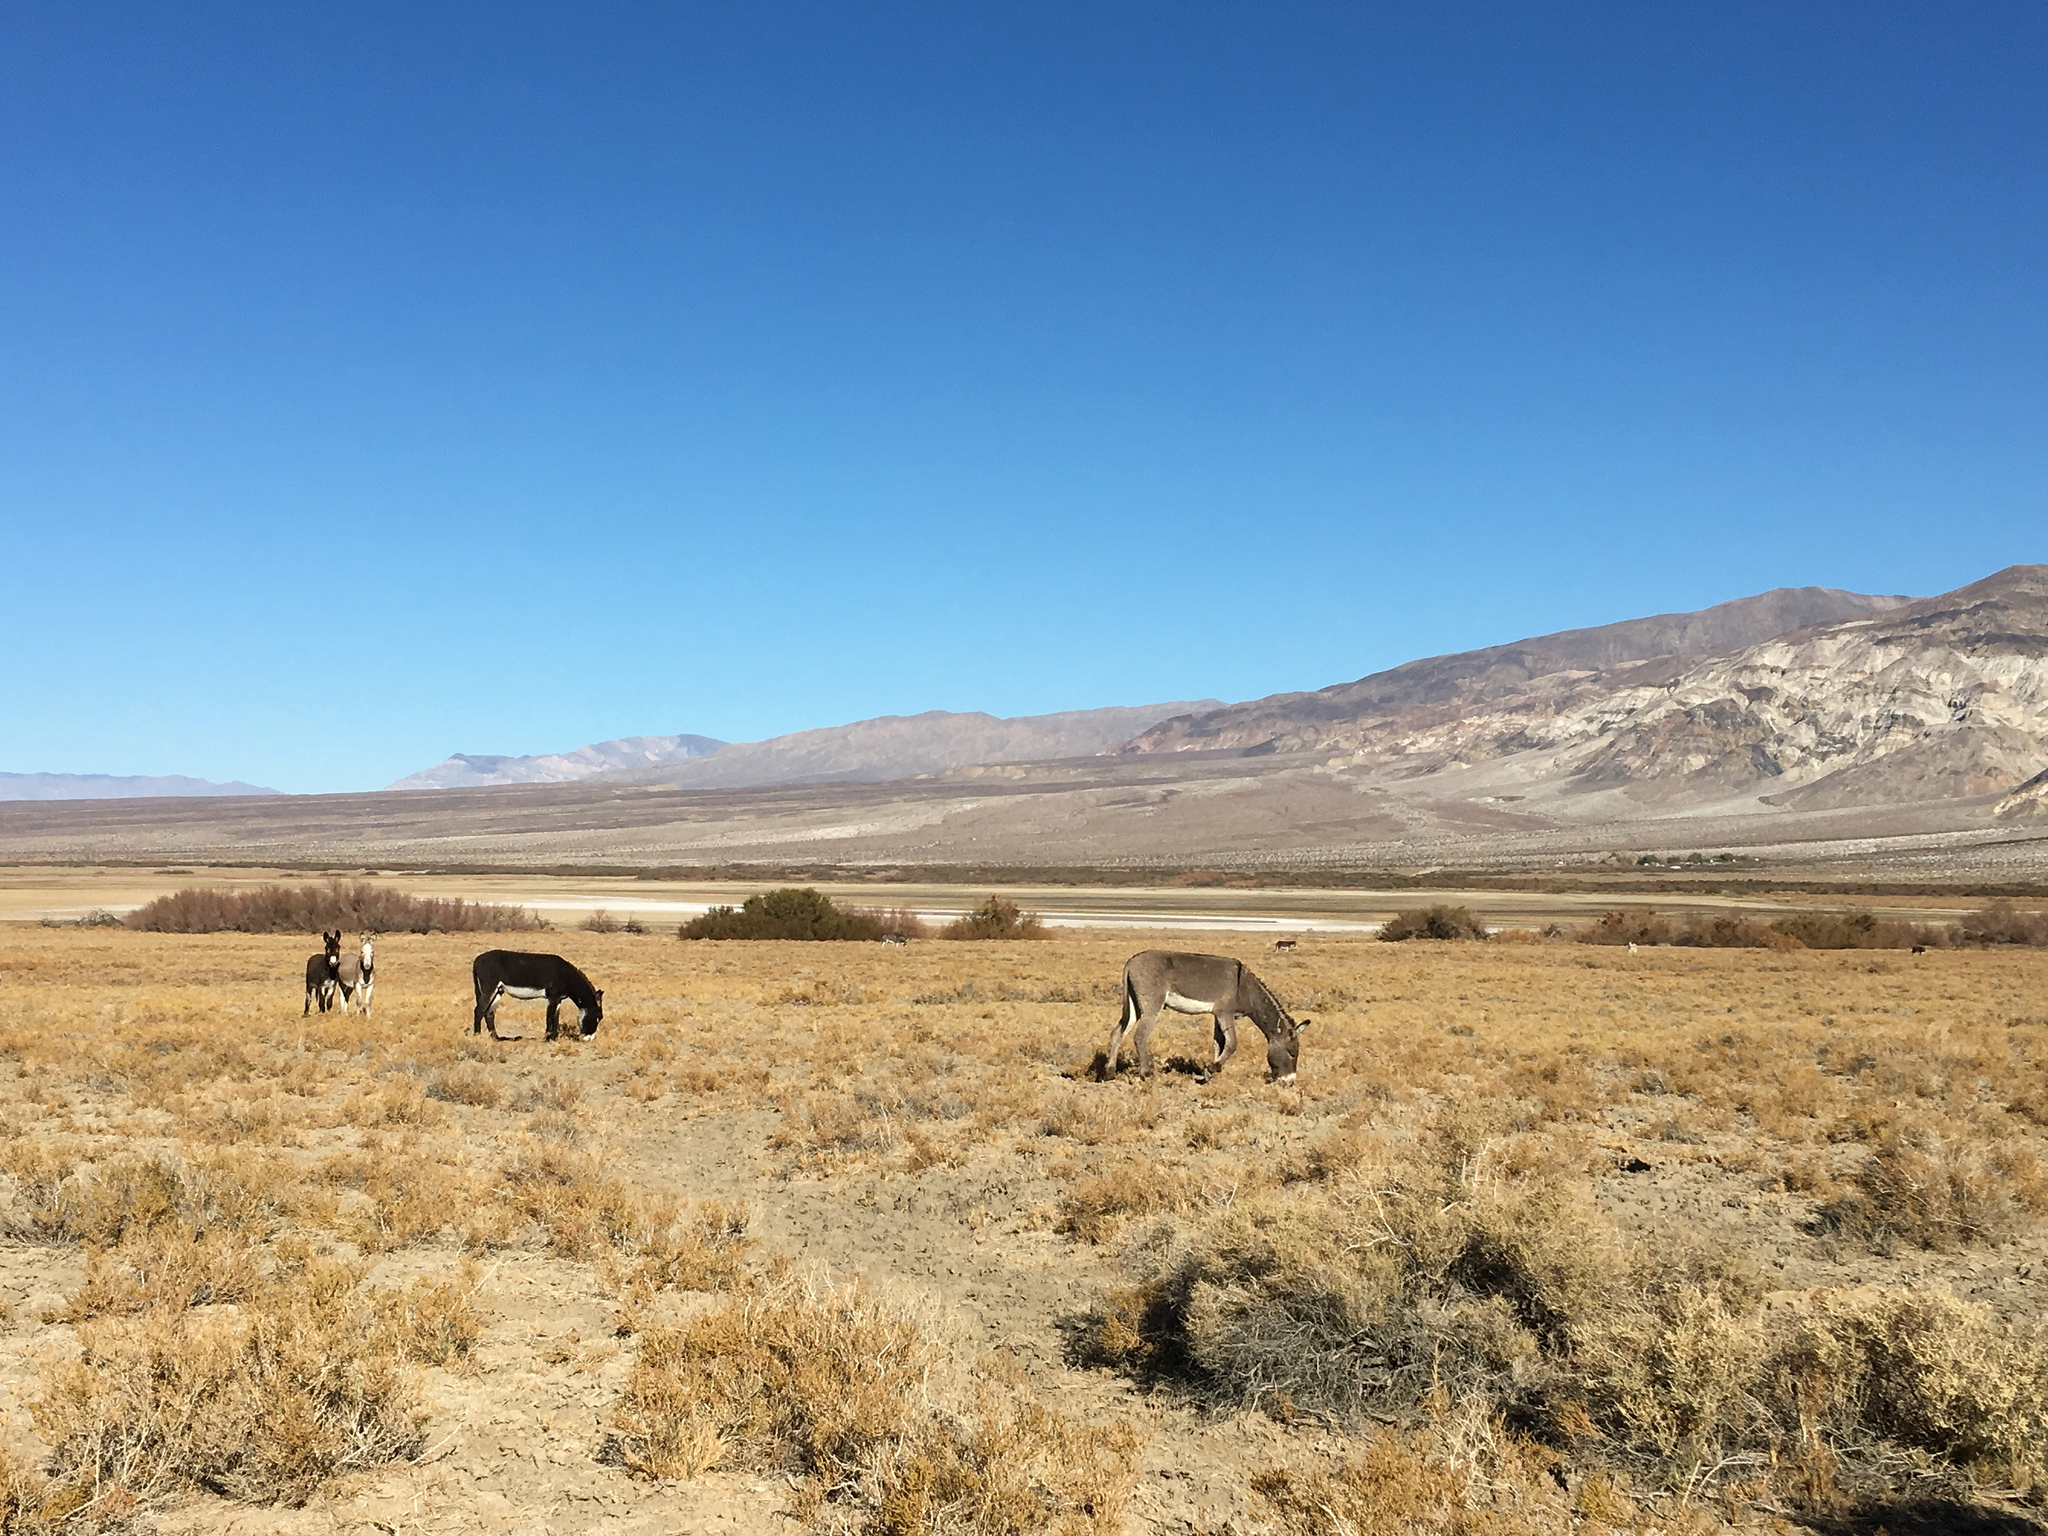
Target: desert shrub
x: 600, y: 921
x: 1726, y: 931
x: 790, y: 913
x: 59, y: 1200
x: 1439, y: 922
x: 302, y: 1381
x: 1625, y: 927
x: 2003, y: 923
x: 1829, y: 930
x: 466, y: 1084
x: 1941, y: 1192
x: 573, y: 1196
x: 315, y: 908
x: 1451, y: 1279
x: 1396, y: 1485
x: 865, y: 1406
x: 703, y: 1249
x: 899, y: 922
x: 996, y: 918
x: 1095, y: 1210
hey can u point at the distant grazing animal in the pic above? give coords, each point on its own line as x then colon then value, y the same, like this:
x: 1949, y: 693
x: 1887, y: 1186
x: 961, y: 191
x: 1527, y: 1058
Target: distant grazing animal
x: 894, y: 938
x: 321, y: 973
x: 1213, y: 984
x: 1919, y: 949
x: 1283, y: 945
x: 513, y: 973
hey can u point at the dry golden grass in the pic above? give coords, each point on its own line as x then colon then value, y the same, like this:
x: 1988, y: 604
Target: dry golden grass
x: 1604, y: 1241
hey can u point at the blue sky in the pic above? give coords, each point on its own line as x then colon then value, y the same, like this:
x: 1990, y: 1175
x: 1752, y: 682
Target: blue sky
x: 379, y: 381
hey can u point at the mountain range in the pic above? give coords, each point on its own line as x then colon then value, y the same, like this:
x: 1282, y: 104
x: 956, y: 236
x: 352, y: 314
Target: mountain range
x: 865, y: 752
x: 1860, y: 701
x: 113, y: 786
x: 1805, y: 715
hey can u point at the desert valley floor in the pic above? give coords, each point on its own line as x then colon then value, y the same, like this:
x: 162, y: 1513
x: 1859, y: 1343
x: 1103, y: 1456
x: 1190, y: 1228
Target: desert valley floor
x: 761, y: 1128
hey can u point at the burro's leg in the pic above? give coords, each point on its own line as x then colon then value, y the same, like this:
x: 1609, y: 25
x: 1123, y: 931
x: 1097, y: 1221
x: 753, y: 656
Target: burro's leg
x: 1126, y: 1016
x: 1226, y: 1040
x: 554, y: 1003
x: 476, y: 1023
x: 1144, y: 1040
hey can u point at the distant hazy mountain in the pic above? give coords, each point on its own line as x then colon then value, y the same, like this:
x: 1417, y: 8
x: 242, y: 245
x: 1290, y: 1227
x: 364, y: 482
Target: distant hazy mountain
x: 114, y: 786
x: 467, y: 771
x: 904, y: 746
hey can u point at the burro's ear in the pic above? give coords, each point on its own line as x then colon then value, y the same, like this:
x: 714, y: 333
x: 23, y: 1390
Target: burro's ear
x: 1301, y: 1024
x: 600, y: 994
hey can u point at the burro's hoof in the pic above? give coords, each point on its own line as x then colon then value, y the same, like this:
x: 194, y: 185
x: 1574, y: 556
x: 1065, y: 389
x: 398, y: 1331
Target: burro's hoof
x: 1287, y: 1079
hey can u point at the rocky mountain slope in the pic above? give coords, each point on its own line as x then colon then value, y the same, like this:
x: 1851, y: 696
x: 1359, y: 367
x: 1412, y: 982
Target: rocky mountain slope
x: 1880, y: 701
x: 1379, y: 710
x: 115, y: 786
x: 904, y: 746
x: 467, y: 771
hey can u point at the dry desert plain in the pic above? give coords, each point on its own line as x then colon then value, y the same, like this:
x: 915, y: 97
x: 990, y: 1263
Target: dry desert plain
x: 1545, y: 1237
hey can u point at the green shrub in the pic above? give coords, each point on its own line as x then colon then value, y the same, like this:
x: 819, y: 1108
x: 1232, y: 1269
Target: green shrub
x: 996, y: 918
x: 790, y: 913
x: 1437, y: 922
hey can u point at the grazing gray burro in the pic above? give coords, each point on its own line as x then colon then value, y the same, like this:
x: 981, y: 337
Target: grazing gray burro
x: 514, y: 973
x: 1213, y: 984
x: 321, y: 972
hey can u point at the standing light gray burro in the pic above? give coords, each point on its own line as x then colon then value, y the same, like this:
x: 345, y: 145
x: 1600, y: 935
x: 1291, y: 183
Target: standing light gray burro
x: 1213, y: 984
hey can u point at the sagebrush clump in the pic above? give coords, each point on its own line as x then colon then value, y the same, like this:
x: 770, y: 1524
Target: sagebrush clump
x: 1465, y: 1274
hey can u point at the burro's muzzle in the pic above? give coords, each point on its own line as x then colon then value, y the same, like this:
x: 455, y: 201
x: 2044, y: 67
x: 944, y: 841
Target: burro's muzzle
x: 1283, y: 1056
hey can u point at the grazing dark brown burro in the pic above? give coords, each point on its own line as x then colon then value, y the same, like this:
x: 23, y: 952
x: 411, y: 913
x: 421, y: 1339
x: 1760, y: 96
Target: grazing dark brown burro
x: 321, y: 972
x: 1213, y: 984
x: 514, y: 973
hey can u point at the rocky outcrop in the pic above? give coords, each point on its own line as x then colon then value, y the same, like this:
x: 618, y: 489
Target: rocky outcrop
x: 2027, y: 802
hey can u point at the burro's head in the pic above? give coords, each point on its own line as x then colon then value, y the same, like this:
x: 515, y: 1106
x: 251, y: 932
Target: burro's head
x: 587, y: 1024
x: 1283, y: 1049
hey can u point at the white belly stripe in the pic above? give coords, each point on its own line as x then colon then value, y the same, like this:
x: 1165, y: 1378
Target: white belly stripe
x: 526, y: 993
x: 1181, y: 1004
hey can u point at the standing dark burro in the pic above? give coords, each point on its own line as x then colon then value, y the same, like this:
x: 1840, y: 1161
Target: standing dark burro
x: 323, y: 972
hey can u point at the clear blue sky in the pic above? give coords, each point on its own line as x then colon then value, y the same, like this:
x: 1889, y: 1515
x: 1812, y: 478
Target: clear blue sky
x: 384, y: 380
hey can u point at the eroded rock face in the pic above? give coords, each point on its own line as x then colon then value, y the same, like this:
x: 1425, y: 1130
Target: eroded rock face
x: 1937, y: 699
x: 2030, y: 800
x: 1900, y: 701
